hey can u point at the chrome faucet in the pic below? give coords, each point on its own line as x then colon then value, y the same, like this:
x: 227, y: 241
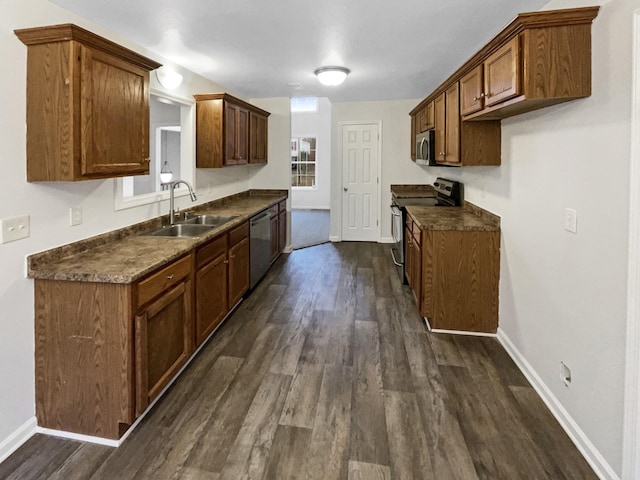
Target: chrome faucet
x: 172, y: 187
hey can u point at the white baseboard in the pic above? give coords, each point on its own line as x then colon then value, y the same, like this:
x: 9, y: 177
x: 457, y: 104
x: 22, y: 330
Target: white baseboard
x: 457, y: 332
x: 386, y: 240
x: 80, y: 437
x: 310, y: 208
x: 17, y: 438
x: 334, y: 238
x: 287, y: 249
x: 575, y: 433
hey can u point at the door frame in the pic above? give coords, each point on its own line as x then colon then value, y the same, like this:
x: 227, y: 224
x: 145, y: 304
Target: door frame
x: 631, y: 415
x: 341, y: 126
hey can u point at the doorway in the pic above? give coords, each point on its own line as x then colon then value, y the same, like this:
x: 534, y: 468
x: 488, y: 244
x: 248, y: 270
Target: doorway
x: 360, y: 182
x: 310, y: 171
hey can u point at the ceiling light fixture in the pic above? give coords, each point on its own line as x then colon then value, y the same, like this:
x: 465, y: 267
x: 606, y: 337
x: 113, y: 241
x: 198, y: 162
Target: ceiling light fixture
x: 168, y: 78
x: 331, y: 76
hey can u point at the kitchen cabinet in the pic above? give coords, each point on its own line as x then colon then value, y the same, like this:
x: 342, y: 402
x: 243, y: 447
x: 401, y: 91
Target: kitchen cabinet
x: 223, y: 131
x: 222, y: 278
x: 212, y: 287
x: 454, y: 275
x: 258, y: 138
x: 463, y: 144
x: 539, y: 59
x: 413, y: 258
x: 87, y: 106
x: 104, y: 351
x: 278, y: 214
x: 238, y: 263
x: 471, y: 91
x: 163, y: 330
x: 422, y: 121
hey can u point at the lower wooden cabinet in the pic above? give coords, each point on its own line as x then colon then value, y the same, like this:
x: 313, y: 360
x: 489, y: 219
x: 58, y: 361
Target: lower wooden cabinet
x: 454, y: 276
x: 163, y: 342
x: 238, y: 263
x: 278, y: 228
x: 222, y: 278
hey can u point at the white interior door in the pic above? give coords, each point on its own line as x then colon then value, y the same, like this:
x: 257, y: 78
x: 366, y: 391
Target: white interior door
x: 360, y: 156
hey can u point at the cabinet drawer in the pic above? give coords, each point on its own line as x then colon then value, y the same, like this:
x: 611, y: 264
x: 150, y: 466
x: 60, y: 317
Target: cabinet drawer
x: 237, y: 234
x: 282, y: 206
x: 211, y: 250
x: 163, y: 279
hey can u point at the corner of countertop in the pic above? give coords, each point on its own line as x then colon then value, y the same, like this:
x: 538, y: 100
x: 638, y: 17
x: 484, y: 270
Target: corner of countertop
x: 485, y: 214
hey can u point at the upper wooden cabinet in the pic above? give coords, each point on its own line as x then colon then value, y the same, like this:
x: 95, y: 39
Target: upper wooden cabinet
x: 258, y: 137
x: 87, y: 106
x: 229, y: 131
x: 539, y: 59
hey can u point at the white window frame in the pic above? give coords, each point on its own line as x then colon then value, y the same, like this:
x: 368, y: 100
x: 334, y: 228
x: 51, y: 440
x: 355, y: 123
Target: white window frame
x: 315, y: 186
x: 187, y: 159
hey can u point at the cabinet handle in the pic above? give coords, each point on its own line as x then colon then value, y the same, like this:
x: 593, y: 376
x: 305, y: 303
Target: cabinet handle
x: 170, y: 277
x: 226, y: 261
x: 148, y: 159
x: 233, y: 256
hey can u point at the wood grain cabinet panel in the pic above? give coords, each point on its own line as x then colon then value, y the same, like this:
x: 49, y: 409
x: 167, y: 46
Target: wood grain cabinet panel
x: 258, y: 138
x: 502, y: 73
x: 87, y: 106
x: 471, y: 91
x: 238, y: 270
x: 212, y: 300
x: 163, y: 342
x: 224, y: 133
x: 458, y: 276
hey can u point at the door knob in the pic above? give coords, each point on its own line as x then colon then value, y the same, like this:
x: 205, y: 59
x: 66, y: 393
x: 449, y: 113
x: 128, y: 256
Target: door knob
x: 345, y: 189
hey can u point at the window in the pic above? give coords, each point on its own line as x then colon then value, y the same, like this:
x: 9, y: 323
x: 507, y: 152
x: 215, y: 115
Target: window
x: 307, y: 104
x: 170, y: 128
x: 303, y: 162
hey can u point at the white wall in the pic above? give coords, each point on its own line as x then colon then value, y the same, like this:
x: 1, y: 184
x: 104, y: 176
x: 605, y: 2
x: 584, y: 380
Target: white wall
x: 315, y: 124
x: 48, y: 205
x: 397, y: 167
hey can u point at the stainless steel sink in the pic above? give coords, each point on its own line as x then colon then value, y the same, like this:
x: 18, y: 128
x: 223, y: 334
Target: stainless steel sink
x: 210, y: 220
x: 180, y: 230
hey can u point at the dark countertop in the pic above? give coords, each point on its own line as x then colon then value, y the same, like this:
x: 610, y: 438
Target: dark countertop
x: 123, y: 256
x: 469, y: 217
x: 412, y: 191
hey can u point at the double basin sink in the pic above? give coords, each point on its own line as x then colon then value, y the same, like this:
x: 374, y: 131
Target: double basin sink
x: 191, y: 227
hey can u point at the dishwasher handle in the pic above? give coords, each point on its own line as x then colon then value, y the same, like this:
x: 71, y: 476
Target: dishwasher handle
x: 255, y: 220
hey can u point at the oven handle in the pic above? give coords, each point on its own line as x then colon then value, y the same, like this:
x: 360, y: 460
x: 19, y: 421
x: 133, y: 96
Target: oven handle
x: 394, y: 258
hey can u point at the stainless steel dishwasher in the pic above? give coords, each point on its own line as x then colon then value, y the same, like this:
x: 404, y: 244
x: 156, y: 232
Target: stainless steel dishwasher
x: 259, y: 246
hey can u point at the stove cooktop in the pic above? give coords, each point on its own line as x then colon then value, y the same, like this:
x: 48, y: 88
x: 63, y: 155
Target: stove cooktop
x: 419, y: 201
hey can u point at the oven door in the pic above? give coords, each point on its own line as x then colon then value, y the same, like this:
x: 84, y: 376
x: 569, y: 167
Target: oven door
x: 397, y: 232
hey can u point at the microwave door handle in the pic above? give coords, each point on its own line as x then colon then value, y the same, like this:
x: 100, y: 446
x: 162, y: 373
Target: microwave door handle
x: 422, y: 149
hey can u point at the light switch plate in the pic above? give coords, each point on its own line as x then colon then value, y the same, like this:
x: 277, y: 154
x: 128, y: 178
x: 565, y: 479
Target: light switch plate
x: 75, y: 216
x: 571, y: 220
x: 15, y: 228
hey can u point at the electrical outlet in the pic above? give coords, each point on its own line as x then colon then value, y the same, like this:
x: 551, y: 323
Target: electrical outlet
x: 571, y: 220
x: 75, y: 216
x: 15, y: 228
x: 565, y: 374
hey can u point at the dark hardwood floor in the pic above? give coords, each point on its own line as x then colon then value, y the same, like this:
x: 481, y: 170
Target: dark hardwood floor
x: 326, y: 371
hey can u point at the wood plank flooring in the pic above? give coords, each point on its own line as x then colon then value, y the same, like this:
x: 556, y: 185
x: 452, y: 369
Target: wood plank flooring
x: 326, y: 371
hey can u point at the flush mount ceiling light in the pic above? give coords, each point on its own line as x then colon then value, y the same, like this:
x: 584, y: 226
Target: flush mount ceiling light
x: 331, y: 76
x: 168, y: 78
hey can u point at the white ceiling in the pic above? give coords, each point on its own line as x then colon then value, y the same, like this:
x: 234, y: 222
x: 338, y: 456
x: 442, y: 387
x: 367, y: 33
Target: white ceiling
x: 399, y: 49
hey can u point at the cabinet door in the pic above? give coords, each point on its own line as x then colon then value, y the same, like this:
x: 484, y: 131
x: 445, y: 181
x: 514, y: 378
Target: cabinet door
x: 282, y: 230
x: 439, y: 117
x: 416, y: 272
x: 414, y: 130
x: 211, y: 296
x: 114, y: 116
x: 426, y: 119
x: 231, y: 113
x: 238, y: 271
x: 162, y: 342
x: 274, y: 235
x: 242, y: 140
x: 502, y: 73
x: 452, y: 124
x: 258, y: 138
x: 471, y: 96
x: 408, y: 256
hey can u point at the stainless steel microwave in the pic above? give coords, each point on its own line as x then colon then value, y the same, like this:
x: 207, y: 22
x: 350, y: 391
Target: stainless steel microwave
x: 425, y: 148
